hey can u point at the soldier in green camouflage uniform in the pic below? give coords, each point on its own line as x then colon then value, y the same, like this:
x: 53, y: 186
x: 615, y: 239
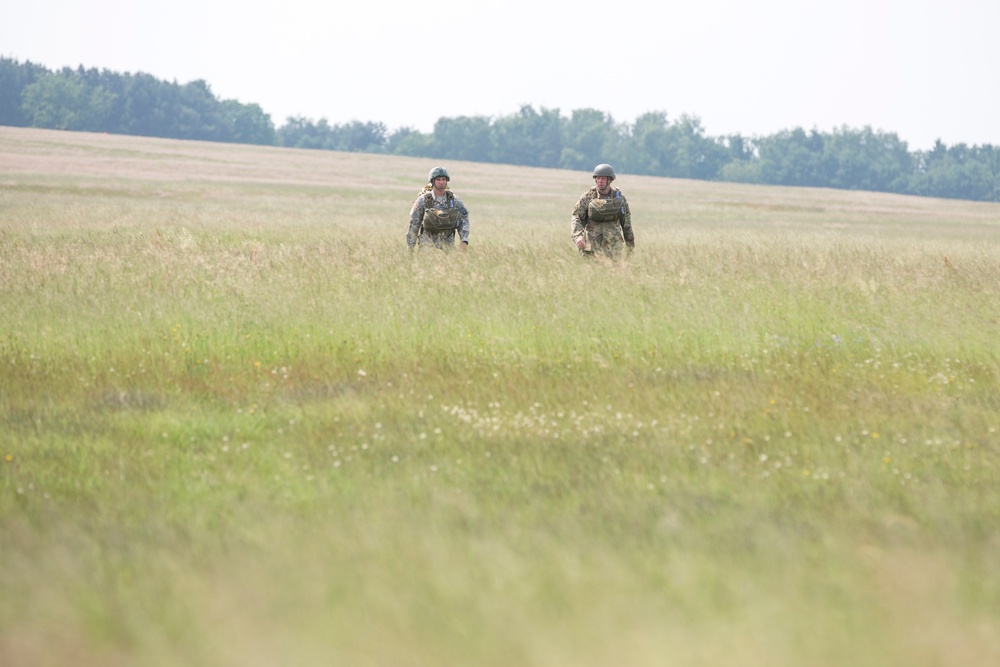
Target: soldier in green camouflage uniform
x: 601, y: 220
x: 437, y: 214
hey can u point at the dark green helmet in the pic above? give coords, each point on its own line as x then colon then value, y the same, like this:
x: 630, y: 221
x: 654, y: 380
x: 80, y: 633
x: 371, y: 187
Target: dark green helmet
x: 604, y: 170
x: 438, y: 171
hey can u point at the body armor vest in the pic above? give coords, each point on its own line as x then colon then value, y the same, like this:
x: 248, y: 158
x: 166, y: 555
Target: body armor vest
x: 436, y: 220
x: 605, y: 210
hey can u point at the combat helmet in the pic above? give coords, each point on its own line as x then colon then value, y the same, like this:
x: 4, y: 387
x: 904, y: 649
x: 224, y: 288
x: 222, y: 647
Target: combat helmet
x: 438, y: 171
x: 604, y: 170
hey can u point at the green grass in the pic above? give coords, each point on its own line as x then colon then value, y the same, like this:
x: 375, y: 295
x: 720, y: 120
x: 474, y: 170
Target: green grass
x: 241, y: 425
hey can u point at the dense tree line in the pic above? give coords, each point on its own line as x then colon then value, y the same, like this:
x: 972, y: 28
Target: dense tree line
x: 846, y: 158
x: 134, y: 104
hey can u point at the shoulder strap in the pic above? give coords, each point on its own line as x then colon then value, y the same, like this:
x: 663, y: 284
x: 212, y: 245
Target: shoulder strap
x: 429, y: 197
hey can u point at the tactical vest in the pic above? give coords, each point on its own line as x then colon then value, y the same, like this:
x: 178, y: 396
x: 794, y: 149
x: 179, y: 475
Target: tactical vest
x: 606, y: 210
x: 436, y: 220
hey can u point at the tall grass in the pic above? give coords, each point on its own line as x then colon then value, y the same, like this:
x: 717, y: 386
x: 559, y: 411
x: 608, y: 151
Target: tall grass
x: 242, y: 425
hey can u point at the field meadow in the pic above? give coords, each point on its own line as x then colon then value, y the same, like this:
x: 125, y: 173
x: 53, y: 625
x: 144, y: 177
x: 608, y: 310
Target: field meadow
x: 241, y: 425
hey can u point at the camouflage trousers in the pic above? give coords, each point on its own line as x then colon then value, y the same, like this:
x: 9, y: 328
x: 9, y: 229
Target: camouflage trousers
x: 441, y: 240
x: 604, y: 238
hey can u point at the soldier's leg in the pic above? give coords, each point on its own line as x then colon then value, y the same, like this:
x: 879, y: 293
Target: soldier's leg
x: 615, y: 245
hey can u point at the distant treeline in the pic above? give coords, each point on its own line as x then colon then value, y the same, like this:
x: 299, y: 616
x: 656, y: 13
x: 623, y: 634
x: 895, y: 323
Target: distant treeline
x: 852, y: 159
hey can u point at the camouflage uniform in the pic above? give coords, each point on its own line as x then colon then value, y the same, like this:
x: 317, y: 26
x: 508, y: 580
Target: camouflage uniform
x: 445, y: 239
x: 606, y: 237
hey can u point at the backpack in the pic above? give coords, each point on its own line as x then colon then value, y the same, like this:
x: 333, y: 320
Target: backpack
x: 435, y: 220
x: 605, y: 210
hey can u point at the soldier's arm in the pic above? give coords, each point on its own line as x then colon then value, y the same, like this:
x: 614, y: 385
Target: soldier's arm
x: 416, y: 216
x: 627, y: 232
x: 463, y: 222
x: 578, y: 221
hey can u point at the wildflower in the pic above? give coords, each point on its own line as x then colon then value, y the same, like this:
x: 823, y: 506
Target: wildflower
x: 8, y: 458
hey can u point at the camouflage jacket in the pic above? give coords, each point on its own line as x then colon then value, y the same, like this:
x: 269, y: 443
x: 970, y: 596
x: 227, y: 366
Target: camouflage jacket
x: 580, y: 222
x: 417, y: 233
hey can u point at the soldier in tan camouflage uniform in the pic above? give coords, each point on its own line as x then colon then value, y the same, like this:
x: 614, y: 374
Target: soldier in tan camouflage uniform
x: 601, y: 220
x: 437, y: 214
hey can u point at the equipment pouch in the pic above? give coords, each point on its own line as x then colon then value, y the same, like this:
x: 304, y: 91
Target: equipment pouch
x: 604, y: 210
x: 437, y: 221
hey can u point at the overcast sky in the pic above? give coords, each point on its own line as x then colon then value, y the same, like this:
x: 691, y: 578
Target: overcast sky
x: 923, y: 69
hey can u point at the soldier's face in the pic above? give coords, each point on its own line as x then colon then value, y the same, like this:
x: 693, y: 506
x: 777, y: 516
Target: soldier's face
x: 440, y: 183
x: 602, y: 183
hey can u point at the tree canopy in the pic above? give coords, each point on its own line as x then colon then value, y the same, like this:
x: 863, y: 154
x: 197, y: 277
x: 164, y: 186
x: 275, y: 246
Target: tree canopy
x: 653, y: 144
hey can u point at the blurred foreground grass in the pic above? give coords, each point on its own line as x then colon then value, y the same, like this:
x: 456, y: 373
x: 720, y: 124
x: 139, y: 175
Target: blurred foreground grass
x: 241, y: 425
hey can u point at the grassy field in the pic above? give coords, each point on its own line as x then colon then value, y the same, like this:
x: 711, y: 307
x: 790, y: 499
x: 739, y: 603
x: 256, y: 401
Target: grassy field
x: 241, y: 425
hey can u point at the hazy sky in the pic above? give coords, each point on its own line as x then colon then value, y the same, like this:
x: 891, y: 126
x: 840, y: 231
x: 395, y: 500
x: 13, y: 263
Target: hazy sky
x: 924, y: 69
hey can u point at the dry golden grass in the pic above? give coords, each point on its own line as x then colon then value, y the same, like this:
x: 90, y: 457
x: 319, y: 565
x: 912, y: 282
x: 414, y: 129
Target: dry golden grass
x: 241, y: 425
